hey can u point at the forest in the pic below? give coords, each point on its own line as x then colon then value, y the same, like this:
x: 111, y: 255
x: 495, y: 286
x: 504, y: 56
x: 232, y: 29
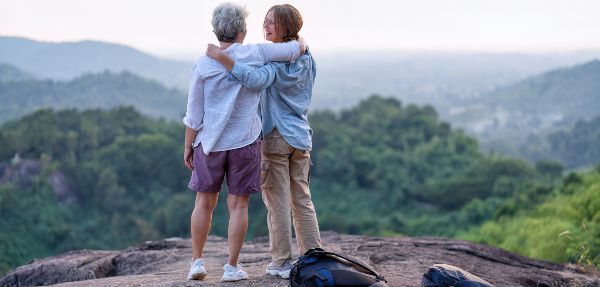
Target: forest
x: 400, y: 170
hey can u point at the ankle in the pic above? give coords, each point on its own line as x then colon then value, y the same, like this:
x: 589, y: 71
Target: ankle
x: 234, y: 264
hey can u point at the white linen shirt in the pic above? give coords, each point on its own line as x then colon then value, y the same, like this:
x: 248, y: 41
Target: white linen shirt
x: 225, y: 114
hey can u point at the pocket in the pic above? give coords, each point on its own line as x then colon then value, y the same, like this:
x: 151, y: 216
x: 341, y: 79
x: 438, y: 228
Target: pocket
x: 275, y: 145
x: 301, y: 165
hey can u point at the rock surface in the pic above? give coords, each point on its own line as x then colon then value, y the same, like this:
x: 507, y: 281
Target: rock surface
x: 402, y: 260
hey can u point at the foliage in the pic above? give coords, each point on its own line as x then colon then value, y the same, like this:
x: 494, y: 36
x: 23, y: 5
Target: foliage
x: 103, y: 90
x: 566, y: 227
x: 398, y: 170
x: 124, y: 171
x: 402, y: 171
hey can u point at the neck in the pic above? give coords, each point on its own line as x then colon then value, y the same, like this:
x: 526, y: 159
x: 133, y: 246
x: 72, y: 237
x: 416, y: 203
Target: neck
x: 225, y: 45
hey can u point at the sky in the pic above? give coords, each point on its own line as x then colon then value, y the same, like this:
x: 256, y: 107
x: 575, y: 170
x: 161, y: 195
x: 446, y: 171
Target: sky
x: 181, y: 28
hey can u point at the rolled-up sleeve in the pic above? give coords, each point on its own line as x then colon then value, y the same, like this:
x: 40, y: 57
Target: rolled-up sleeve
x: 254, y: 78
x: 195, y: 106
x: 283, y: 52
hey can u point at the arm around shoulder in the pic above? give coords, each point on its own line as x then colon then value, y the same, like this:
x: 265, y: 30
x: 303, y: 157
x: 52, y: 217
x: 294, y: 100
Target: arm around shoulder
x: 284, y: 52
x: 254, y: 78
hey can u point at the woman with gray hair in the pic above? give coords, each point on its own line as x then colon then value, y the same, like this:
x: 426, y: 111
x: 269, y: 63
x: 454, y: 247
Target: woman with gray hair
x: 222, y: 136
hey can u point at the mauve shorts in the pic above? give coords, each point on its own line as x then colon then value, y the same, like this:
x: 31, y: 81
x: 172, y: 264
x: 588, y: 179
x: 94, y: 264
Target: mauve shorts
x: 241, y: 166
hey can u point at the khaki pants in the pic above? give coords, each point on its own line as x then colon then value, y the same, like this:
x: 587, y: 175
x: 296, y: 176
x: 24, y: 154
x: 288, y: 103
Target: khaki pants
x: 284, y: 177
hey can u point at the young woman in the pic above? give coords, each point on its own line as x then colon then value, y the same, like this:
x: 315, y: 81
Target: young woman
x: 222, y: 136
x: 287, y: 138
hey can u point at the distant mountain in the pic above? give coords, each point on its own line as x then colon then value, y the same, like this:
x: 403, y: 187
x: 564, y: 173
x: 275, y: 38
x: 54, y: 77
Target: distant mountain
x: 449, y: 81
x: 104, y: 90
x: 446, y: 80
x: 543, y: 117
x: 9, y: 73
x: 67, y: 60
x: 569, y: 92
x: 555, y: 99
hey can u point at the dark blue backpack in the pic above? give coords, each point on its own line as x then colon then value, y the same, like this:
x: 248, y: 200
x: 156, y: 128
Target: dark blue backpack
x: 319, y: 268
x: 443, y: 275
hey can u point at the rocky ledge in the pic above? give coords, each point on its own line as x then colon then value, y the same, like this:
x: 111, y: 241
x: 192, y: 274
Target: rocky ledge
x: 402, y: 260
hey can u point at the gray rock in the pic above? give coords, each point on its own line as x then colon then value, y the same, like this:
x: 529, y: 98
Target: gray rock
x: 402, y: 260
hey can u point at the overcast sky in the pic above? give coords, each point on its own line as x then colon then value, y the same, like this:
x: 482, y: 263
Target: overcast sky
x: 182, y: 27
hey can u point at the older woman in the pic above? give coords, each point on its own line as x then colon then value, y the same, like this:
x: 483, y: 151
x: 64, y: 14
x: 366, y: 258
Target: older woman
x: 222, y: 136
x: 287, y: 138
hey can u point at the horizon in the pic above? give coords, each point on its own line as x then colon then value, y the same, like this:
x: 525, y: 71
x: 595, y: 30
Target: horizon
x: 183, y: 27
x: 327, y: 52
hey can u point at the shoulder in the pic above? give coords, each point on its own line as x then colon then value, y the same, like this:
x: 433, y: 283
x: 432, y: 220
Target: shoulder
x: 307, y: 56
x: 245, y: 47
x: 205, y: 66
x: 247, y: 53
x: 305, y: 61
x: 203, y: 61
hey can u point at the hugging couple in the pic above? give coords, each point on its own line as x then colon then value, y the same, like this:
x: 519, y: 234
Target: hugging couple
x: 236, y: 93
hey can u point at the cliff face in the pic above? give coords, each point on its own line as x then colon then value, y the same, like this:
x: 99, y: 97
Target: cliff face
x: 401, y: 260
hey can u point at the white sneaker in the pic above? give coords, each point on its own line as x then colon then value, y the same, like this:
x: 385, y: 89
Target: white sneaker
x: 231, y: 273
x: 197, y: 270
x: 282, y: 271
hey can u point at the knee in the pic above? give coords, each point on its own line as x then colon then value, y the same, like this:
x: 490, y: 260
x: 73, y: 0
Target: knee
x: 205, y: 203
x: 237, y: 202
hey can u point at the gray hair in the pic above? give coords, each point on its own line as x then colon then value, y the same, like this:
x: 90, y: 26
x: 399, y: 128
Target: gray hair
x: 229, y: 19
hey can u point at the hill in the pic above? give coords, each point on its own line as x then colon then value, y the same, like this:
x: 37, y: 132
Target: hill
x: 400, y: 170
x: 68, y: 60
x: 576, y: 147
x: 524, y: 119
x: 567, y: 93
x: 446, y: 80
x: 104, y: 90
x: 401, y: 260
x: 536, y: 104
x: 9, y: 73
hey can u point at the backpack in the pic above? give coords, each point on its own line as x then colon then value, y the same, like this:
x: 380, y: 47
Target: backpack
x: 444, y: 275
x: 320, y: 268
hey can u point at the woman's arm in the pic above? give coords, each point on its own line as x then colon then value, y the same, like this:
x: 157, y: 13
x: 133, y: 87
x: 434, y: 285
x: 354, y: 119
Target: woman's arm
x: 282, y: 52
x: 194, y: 115
x: 251, y: 77
x: 216, y: 53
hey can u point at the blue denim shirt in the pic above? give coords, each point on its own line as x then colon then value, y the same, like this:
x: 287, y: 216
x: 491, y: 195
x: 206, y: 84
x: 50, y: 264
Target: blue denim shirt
x: 284, y: 104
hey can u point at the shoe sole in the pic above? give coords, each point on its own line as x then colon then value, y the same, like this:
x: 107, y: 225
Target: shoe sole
x: 282, y: 274
x: 197, y: 276
x: 233, y: 280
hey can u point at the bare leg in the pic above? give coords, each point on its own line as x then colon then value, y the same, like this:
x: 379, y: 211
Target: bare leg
x: 238, y: 225
x: 201, y: 220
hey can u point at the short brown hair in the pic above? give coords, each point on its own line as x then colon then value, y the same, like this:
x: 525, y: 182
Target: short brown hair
x: 288, y: 21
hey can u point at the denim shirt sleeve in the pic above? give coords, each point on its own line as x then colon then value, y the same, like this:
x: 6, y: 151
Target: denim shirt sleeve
x: 254, y: 78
